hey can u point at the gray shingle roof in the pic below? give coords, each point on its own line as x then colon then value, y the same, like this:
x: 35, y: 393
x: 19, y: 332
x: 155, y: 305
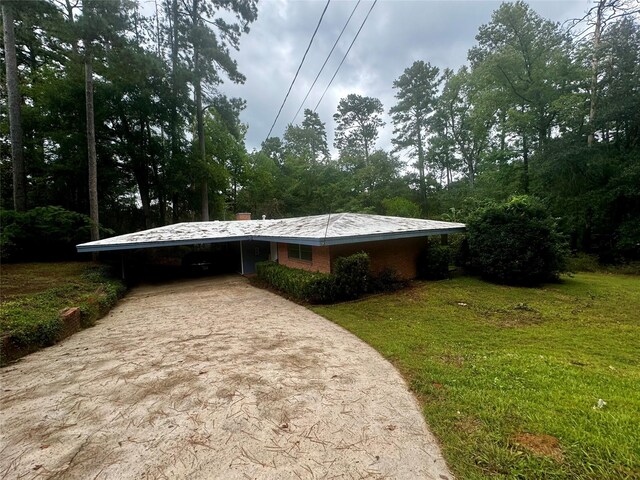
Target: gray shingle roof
x: 333, y: 229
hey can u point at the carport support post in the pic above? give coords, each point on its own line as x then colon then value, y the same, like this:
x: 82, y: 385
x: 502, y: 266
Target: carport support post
x: 444, y: 239
x: 122, y: 266
x: 241, y: 259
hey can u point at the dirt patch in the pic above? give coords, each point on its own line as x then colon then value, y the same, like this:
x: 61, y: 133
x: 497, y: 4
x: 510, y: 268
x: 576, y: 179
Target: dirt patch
x: 211, y: 378
x: 540, y: 444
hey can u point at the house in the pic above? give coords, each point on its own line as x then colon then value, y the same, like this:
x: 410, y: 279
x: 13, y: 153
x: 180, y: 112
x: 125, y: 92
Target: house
x: 310, y: 243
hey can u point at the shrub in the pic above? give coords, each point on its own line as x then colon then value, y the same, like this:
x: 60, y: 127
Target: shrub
x: 387, y: 280
x: 433, y: 262
x: 352, y: 275
x: 23, y: 234
x: 350, y: 280
x: 516, y: 243
x: 306, y: 286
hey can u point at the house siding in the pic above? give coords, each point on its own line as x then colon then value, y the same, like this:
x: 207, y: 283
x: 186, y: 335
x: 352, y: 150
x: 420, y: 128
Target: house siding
x: 400, y: 255
x: 320, y: 259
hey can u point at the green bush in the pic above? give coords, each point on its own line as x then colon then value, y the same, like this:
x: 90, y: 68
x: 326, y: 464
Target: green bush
x: 306, y: 286
x: 351, y: 275
x: 516, y: 243
x: 387, y: 280
x: 350, y: 280
x: 434, y: 260
x: 23, y: 234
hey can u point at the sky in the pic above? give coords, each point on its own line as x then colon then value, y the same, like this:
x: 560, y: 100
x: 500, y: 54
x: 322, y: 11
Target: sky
x: 397, y: 33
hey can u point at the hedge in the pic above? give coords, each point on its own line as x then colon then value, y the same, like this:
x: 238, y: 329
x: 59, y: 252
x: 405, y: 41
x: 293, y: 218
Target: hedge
x: 306, y: 286
x: 350, y: 280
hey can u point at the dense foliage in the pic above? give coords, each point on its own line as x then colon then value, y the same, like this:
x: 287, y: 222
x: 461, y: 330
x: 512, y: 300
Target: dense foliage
x: 516, y: 242
x: 542, y: 109
x: 42, y: 233
x: 312, y: 287
x: 434, y: 260
x: 351, y: 275
x: 349, y: 280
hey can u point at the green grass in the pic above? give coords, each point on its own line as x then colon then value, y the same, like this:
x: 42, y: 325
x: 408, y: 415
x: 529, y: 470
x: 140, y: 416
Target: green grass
x: 509, y: 377
x: 33, y: 294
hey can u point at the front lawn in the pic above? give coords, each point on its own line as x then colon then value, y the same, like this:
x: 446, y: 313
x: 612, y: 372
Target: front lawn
x: 33, y: 294
x: 518, y: 382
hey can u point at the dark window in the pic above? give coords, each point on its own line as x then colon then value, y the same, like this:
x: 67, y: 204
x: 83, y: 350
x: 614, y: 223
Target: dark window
x: 305, y: 252
x: 299, y: 252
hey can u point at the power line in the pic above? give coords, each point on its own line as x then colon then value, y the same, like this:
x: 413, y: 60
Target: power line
x: 299, y: 67
x: 325, y: 62
x: 345, y: 55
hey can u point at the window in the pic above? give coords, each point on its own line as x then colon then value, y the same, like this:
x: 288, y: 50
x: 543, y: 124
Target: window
x: 299, y: 252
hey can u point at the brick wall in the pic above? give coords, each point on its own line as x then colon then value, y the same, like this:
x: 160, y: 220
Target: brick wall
x: 320, y: 259
x: 400, y: 255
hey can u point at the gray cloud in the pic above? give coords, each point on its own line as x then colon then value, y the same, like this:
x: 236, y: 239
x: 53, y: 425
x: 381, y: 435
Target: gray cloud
x: 396, y: 34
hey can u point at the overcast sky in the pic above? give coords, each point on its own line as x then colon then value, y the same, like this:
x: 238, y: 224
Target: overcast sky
x: 396, y: 34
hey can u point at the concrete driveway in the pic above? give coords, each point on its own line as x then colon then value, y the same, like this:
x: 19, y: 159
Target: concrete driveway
x: 211, y: 378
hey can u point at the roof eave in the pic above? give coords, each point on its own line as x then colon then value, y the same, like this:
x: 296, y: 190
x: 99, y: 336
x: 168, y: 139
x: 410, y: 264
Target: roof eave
x: 88, y: 248
x: 374, y: 237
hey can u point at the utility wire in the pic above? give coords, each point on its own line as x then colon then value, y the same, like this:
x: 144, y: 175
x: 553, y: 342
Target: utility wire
x: 299, y: 67
x: 325, y: 62
x: 345, y: 55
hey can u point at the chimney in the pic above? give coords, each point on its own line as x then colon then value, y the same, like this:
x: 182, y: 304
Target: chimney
x: 243, y: 216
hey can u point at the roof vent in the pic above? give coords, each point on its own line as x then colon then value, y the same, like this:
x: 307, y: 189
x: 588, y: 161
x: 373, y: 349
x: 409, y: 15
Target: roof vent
x: 243, y: 216
x: 264, y: 217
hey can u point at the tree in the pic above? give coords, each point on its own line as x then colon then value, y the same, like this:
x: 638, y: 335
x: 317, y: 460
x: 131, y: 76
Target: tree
x: 461, y: 124
x: 600, y: 17
x: 210, y: 37
x: 91, y: 133
x: 618, y: 120
x: 273, y: 147
x: 15, y: 118
x: 528, y: 58
x: 309, y: 140
x: 358, y: 121
x: 416, y: 93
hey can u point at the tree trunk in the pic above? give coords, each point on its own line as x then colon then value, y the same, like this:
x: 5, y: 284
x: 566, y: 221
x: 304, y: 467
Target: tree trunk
x: 91, y: 147
x: 197, y: 87
x: 423, y: 183
x: 594, y: 71
x: 525, y: 158
x: 15, y: 120
x: 173, y: 118
x: 175, y: 217
x: 204, y: 185
x: 142, y: 175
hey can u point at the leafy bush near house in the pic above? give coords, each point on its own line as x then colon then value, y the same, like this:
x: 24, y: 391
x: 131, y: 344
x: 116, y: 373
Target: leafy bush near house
x: 350, y: 280
x: 387, y: 280
x: 23, y: 234
x: 433, y: 262
x: 351, y: 275
x: 516, y: 243
x: 306, y: 286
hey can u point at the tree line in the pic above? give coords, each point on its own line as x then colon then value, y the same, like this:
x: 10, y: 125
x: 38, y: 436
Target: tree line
x: 540, y: 108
